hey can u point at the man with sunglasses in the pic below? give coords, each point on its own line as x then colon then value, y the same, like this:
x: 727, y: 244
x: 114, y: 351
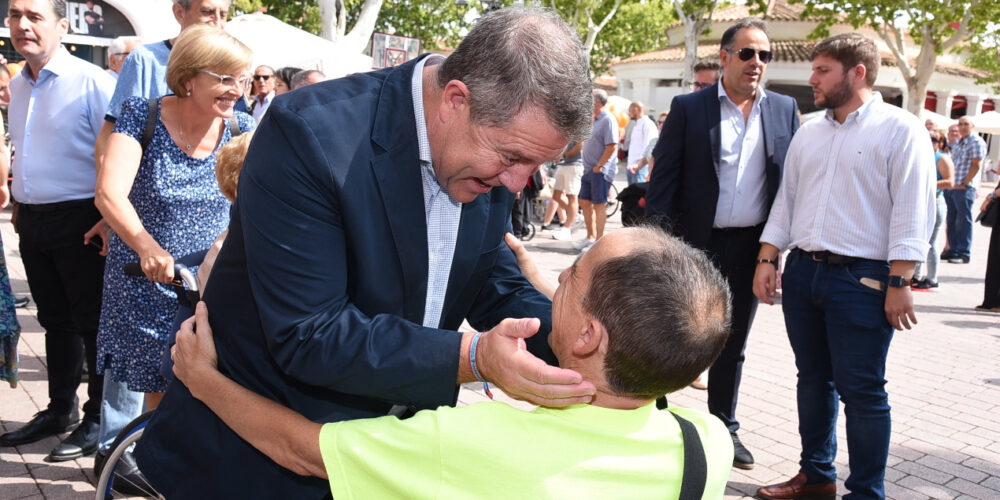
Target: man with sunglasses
x: 706, y: 73
x: 144, y: 73
x: 263, y: 84
x: 717, y: 166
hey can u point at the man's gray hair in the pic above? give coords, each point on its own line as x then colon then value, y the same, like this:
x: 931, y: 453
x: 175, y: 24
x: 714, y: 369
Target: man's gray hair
x: 59, y: 7
x: 729, y: 36
x: 519, y: 57
x: 302, y: 78
x: 118, y: 45
x: 184, y: 3
x: 602, y: 97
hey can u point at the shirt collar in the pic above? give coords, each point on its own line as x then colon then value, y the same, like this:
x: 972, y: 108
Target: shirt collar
x: 758, y: 96
x: 268, y: 97
x: 862, y: 112
x: 56, y: 66
x: 417, y: 86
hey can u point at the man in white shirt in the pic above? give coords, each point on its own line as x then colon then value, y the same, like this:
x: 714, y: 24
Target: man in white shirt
x: 643, y: 130
x: 856, y: 206
x: 263, y: 82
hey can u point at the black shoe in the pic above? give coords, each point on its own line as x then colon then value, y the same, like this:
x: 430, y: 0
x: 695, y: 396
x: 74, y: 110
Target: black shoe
x: 82, y: 441
x: 958, y: 260
x: 742, y: 459
x: 128, y: 479
x: 924, y: 284
x: 44, y: 424
x: 546, y: 227
x: 21, y: 301
x: 946, y: 255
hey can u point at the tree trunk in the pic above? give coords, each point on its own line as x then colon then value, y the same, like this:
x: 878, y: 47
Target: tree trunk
x: 916, y: 86
x: 691, y: 30
x: 333, y: 16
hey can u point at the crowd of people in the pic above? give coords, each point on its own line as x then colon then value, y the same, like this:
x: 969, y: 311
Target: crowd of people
x: 371, y: 221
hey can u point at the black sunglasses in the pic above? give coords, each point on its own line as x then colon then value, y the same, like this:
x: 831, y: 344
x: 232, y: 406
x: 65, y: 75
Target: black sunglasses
x: 265, y: 77
x: 747, y: 53
x: 701, y: 85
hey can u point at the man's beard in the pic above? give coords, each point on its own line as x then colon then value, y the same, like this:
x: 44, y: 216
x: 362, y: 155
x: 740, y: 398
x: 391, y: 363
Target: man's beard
x: 838, y: 95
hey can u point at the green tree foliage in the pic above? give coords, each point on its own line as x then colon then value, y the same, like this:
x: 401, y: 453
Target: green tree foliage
x: 984, y: 54
x: 303, y: 14
x: 637, y: 27
x: 935, y: 26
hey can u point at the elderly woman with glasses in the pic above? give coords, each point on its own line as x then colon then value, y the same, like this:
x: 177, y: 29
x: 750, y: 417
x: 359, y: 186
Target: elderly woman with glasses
x: 162, y: 201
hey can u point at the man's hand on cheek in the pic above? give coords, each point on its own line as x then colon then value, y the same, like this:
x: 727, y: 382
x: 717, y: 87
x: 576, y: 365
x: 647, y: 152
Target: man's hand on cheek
x: 503, y: 359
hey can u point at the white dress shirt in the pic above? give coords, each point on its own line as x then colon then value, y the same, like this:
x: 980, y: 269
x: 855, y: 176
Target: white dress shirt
x: 442, y: 211
x: 864, y: 188
x: 260, y: 106
x: 742, y: 175
x: 642, y: 132
x: 54, y: 122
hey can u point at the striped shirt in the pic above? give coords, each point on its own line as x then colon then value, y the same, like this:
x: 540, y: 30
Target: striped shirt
x: 963, y: 152
x: 442, y: 211
x: 864, y: 188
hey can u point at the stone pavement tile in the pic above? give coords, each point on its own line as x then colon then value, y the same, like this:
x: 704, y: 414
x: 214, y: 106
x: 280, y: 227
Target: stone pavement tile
x: 11, y: 466
x: 56, y: 471
x: 68, y: 490
x: 973, y: 489
x: 895, y: 491
x: 927, y: 488
x: 14, y: 488
x: 955, y: 469
x: 992, y: 483
x: 924, y: 472
x: 991, y: 468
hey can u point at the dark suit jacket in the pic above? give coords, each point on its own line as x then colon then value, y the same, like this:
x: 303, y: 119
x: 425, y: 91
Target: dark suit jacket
x: 317, y: 297
x: 684, y: 187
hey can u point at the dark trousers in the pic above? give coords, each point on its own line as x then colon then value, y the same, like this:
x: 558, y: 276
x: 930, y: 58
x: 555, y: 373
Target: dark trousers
x: 838, y: 331
x: 734, y: 252
x: 991, y: 290
x: 520, y: 214
x: 65, y: 277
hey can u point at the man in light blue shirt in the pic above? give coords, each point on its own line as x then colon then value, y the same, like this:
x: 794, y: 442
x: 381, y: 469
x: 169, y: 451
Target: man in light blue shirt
x: 599, y: 168
x: 59, y: 101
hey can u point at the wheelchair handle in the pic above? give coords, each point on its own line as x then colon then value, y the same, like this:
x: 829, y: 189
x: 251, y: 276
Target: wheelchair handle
x: 180, y: 271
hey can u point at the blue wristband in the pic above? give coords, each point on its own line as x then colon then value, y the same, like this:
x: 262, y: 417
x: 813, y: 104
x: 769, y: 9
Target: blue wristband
x: 472, y: 361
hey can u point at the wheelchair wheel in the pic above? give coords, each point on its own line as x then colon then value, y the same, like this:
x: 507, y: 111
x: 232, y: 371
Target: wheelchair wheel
x: 111, y: 482
x: 611, y: 207
x: 529, y: 232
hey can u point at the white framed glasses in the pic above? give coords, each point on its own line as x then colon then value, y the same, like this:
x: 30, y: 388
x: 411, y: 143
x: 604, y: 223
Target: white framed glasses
x: 239, y: 82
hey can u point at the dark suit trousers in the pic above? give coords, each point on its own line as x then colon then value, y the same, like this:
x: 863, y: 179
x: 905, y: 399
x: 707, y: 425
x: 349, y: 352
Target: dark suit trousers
x: 65, y: 277
x: 734, y: 252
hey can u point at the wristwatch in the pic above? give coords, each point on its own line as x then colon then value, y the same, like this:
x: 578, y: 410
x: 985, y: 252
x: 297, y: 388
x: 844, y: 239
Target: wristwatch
x: 898, y: 282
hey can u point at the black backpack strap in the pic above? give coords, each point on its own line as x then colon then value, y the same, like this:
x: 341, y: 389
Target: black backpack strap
x: 234, y: 127
x: 154, y: 113
x: 695, y: 466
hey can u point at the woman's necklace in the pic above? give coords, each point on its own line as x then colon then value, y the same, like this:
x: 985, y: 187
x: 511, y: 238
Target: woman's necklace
x: 187, y: 145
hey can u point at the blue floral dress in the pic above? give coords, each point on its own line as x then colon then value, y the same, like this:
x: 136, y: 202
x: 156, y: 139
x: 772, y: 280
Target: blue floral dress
x: 178, y: 201
x: 10, y: 330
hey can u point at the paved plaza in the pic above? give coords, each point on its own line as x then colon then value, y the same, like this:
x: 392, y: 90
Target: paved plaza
x: 944, y: 388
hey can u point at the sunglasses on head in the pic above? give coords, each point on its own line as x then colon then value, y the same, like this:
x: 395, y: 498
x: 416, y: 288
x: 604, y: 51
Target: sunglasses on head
x: 747, y: 53
x: 261, y: 77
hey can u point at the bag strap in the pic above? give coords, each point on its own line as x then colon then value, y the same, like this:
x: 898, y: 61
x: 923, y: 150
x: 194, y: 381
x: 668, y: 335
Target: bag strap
x: 147, y: 133
x: 234, y: 127
x: 695, y: 467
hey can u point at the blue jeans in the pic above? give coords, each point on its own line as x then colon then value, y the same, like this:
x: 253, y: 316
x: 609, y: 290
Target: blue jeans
x: 118, y: 407
x: 641, y: 175
x: 934, y: 254
x: 840, y: 336
x: 959, y: 220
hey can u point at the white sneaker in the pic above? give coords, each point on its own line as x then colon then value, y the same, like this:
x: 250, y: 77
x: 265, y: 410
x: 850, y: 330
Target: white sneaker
x: 562, y: 234
x: 584, y: 243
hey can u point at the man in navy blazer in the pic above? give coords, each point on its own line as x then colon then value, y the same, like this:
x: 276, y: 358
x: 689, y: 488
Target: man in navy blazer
x: 716, y: 171
x: 369, y: 224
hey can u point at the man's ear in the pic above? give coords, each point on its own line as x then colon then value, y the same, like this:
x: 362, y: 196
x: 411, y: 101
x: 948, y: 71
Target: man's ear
x: 590, y: 340
x: 63, y: 26
x: 454, y: 99
x: 178, y: 12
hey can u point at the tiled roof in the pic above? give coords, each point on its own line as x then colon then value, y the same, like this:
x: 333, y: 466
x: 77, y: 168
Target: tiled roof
x: 790, y: 51
x: 779, y: 10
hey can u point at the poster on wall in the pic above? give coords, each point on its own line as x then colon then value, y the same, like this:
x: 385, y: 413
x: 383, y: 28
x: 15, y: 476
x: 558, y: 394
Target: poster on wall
x: 393, y: 50
x: 90, y: 17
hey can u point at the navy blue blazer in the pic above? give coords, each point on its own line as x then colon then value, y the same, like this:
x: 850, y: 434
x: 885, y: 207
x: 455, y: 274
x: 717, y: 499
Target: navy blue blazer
x: 317, y: 297
x: 683, y: 188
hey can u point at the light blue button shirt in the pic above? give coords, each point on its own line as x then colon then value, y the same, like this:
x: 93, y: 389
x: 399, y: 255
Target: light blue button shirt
x: 742, y: 175
x: 442, y: 211
x: 54, y: 123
